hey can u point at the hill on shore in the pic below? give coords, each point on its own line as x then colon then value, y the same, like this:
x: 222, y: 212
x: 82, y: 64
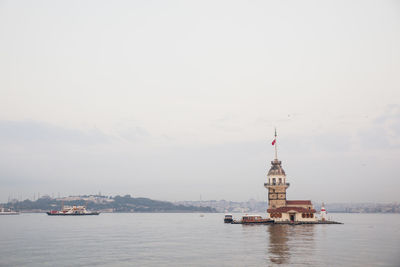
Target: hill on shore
x: 103, y: 203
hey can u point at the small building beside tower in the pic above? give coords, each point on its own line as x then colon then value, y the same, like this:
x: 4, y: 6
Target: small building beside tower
x: 323, y: 213
x: 279, y: 208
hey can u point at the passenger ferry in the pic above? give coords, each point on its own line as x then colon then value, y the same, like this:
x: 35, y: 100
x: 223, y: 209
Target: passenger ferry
x: 72, y: 211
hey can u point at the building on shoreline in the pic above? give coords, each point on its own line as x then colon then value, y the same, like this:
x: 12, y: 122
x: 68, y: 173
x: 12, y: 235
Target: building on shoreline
x: 279, y: 208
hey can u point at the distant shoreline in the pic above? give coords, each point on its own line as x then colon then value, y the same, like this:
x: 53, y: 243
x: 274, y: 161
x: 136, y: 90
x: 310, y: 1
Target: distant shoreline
x: 105, y: 204
x: 129, y: 204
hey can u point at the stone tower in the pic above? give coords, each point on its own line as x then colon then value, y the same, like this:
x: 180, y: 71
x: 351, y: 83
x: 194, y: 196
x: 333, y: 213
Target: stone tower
x: 276, y: 182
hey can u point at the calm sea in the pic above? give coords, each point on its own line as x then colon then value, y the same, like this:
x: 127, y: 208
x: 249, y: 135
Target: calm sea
x: 191, y: 240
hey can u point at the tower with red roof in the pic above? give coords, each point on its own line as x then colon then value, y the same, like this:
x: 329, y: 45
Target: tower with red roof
x: 279, y: 208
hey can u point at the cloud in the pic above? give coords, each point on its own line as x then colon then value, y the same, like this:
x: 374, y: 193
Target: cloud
x: 228, y: 123
x: 29, y: 131
x: 384, y: 131
x: 134, y: 133
x: 390, y: 122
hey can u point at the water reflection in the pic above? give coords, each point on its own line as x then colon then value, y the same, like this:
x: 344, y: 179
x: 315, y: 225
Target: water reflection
x: 288, y: 240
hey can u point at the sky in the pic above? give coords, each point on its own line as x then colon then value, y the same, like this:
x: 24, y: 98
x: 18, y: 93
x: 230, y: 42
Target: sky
x: 178, y: 100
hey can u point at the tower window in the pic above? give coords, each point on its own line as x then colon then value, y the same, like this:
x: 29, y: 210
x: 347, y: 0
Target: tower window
x: 273, y: 180
x: 280, y: 180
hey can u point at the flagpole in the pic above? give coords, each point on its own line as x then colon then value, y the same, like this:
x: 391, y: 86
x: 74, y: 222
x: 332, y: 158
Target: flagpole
x: 276, y: 149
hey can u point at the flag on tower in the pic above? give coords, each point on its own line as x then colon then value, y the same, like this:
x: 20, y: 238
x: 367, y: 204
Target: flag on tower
x: 273, y: 142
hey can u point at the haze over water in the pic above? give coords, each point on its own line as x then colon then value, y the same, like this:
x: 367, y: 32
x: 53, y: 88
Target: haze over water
x: 190, y: 240
x: 172, y: 99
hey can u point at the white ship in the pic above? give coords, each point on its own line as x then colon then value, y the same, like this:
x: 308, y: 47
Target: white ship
x: 6, y: 211
x: 72, y: 211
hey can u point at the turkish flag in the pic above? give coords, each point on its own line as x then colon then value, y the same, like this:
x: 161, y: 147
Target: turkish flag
x: 273, y: 142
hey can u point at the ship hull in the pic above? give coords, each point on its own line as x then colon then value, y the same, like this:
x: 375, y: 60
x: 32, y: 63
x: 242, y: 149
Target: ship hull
x: 72, y: 214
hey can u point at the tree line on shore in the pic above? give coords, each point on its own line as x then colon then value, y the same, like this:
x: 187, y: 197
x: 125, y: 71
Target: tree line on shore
x: 103, y: 203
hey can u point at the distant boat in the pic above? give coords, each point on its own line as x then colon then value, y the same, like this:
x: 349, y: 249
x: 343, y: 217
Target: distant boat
x: 253, y: 219
x: 72, y: 211
x: 228, y: 218
x: 5, y: 211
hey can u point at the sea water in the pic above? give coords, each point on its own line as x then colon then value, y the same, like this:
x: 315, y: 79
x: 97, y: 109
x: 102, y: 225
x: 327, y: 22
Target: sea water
x: 176, y: 239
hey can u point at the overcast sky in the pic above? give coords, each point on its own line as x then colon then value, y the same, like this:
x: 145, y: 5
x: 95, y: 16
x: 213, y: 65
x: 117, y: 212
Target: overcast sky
x: 174, y: 100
